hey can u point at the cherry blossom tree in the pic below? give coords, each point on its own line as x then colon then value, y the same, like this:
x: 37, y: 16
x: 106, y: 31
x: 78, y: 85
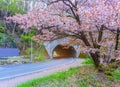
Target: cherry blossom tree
x: 94, y: 24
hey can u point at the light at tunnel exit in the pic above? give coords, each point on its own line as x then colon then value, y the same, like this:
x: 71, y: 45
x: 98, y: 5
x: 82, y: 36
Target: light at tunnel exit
x: 60, y: 52
x: 55, y: 54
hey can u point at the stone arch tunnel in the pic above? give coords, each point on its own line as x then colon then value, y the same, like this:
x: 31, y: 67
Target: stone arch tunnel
x: 56, y: 50
x: 61, y: 52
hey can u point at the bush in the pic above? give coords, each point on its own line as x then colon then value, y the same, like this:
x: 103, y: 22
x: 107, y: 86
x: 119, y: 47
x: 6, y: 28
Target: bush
x: 88, y: 61
x: 116, y: 75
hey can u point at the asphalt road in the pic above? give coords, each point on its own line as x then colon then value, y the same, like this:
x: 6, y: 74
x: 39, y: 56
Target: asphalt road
x: 12, y: 71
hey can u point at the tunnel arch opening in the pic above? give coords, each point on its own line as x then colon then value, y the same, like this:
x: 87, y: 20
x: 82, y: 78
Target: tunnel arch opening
x: 61, y: 51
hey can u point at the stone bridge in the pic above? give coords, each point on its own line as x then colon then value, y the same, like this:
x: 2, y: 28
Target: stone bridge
x: 56, y: 50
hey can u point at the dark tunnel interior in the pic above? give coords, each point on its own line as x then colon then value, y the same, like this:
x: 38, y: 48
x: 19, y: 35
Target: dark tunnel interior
x: 62, y: 52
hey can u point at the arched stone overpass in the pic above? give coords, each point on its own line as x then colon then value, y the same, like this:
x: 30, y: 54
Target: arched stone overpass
x: 56, y: 50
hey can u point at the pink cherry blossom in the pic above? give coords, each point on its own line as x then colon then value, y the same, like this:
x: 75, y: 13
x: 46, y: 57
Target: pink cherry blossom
x: 84, y: 20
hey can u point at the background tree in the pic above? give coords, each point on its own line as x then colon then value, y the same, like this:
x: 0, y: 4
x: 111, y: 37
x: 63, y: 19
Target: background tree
x: 10, y: 33
x: 94, y: 24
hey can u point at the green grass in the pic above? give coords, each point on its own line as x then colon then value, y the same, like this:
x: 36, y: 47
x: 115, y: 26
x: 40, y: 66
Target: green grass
x: 75, y: 77
x: 83, y: 76
x: 57, y: 77
x: 88, y: 61
x: 116, y: 75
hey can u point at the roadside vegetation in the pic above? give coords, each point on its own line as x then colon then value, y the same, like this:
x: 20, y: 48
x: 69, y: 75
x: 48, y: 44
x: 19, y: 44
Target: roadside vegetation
x: 83, y: 76
x: 11, y: 36
x: 88, y: 61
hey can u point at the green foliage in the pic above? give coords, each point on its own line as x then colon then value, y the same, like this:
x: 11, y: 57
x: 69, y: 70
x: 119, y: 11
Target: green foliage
x: 32, y: 32
x: 14, y: 6
x: 2, y: 28
x: 116, y: 75
x: 102, y: 48
x: 109, y: 71
x: 74, y: 77
x: 49, y: 79
x: 38, y: 51
x: 27, y: 37
x: 82, y: 83
x: 1, y: 37
x: 83, y: 55
x: 113, y: 74
x: 8, y: 8
x: 7, y: 40
x: 88, y: 61
x: 40, y: 57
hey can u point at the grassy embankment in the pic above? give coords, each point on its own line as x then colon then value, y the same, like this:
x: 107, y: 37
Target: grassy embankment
x: 83, y: 76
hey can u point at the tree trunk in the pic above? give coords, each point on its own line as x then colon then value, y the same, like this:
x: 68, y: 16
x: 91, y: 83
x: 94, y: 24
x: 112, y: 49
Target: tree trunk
x: 84, y: 39
x: 96, y: 58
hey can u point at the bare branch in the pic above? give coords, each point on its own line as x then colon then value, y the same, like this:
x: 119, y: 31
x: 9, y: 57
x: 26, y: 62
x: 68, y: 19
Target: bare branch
x: 117, y: 39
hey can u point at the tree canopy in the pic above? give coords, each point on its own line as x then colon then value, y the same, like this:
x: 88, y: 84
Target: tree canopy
x: 93, y: 23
